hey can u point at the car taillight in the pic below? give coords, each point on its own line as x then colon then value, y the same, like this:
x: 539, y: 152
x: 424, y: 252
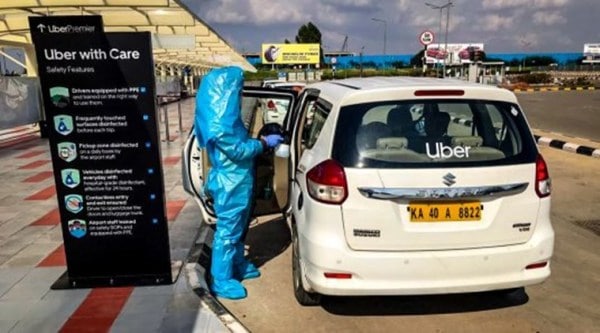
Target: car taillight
x: 543, y: 184
x: 270, y: 104
x: 326, y: 182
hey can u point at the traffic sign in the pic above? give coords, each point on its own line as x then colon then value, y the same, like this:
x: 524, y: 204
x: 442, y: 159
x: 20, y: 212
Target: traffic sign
x: 426, y: 37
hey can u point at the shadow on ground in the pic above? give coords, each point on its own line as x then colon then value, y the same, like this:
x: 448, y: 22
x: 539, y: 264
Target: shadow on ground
x: 425, y: 304
x: 267, y: 240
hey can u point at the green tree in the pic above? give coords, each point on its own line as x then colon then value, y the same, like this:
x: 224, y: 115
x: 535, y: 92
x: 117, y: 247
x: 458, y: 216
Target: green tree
x: 309, y: 33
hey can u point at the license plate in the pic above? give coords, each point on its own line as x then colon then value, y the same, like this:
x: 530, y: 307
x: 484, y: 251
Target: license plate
x: 445, y: 211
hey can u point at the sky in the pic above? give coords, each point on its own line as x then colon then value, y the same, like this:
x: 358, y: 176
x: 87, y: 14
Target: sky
x: 504, y: 26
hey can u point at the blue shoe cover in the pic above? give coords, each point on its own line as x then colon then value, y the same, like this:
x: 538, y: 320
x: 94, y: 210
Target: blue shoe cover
x: 230, y: 289
x: 246, y: 270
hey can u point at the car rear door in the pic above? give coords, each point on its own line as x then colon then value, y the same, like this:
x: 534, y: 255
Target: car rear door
x: 196, y: 164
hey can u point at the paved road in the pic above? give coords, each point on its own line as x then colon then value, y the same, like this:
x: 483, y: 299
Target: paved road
x: 568, y: 301
x: 573, y: 113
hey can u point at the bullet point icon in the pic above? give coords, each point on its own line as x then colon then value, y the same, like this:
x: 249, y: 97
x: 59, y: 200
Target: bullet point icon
x: 146, y: 117
x: 150, y: 171
x: 152, y: 196
x: 154, y: 221
x: 148, y: 144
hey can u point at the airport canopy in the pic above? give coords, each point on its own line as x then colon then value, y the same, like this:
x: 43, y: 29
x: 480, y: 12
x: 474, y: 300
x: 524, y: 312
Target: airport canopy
x: 180, y: 38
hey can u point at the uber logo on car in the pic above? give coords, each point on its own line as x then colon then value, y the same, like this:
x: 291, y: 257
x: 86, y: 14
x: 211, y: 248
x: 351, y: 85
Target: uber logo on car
x: 442, y: 151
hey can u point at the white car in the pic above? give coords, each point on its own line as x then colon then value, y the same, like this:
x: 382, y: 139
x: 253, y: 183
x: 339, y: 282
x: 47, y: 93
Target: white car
x: 379, y: 206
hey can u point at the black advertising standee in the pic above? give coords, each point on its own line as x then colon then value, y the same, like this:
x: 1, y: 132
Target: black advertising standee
x: 99, y: 99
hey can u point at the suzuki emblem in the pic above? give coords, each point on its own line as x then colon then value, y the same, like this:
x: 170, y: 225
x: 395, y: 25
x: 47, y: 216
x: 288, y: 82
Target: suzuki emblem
x: 449, y: 179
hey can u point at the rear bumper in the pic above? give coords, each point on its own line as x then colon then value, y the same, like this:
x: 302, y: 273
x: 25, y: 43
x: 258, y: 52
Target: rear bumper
x: 426, y: 272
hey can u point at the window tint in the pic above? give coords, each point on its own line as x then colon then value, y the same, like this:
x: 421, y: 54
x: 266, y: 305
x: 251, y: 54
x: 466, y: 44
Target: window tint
x: 432, y: 132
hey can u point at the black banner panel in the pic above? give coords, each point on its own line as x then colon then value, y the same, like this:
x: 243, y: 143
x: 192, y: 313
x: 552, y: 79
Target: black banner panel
x: 99, y: 99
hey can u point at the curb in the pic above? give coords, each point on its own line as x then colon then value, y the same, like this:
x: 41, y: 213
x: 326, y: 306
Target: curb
x: 554, y: 89
x: 570, y: 147
x: 195, y: 272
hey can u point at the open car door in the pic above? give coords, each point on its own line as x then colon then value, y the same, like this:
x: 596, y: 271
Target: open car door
x: 264, y: 111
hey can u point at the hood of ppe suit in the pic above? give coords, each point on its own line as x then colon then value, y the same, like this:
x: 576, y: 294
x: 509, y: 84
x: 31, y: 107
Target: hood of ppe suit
x: 218, y: 104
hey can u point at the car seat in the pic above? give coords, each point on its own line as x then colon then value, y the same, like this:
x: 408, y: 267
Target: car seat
x: 476, y: 150
x: 400, y: 122
x: 436, y: 125
x: 368, y: 134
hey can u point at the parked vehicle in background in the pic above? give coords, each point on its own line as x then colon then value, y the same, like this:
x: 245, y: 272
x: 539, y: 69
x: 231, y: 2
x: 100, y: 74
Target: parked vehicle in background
x: 268, y: 81
x: 401, y: 186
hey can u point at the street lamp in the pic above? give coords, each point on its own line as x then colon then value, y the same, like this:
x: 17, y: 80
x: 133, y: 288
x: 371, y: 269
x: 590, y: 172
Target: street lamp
x: 384, y: 31
x: 441, y: 8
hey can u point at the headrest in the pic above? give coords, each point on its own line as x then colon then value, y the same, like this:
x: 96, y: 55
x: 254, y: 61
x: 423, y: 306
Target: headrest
x: 399, y: 115
x: 467, y: 141
x: 436, y: 124
x: 392, y: 143
x: 400, y: 120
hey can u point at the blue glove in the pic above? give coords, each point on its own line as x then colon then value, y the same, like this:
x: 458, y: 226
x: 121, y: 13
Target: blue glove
x: 273, y: 140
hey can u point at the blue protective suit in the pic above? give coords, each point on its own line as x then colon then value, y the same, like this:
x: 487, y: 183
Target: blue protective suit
x: 219, y: 129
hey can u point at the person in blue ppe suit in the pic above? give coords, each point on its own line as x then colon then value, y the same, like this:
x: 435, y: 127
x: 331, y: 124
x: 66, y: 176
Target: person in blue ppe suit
x: 220, y: 130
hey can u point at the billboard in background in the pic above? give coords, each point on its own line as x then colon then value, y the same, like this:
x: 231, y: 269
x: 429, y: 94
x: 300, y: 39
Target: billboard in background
x: 455, y: 54
x: 290, y: 53
x: 591, y: 52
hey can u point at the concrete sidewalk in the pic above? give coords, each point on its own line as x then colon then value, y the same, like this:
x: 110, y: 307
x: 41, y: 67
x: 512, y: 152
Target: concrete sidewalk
x: 32, y: 256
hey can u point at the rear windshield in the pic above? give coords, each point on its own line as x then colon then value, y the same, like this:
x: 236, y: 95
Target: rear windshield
x: 430, y: 133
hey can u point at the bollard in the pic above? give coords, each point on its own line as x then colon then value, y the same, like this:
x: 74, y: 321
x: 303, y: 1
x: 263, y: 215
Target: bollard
x: 159, y: 105
x: 165, y: 108
x: 179, y: 115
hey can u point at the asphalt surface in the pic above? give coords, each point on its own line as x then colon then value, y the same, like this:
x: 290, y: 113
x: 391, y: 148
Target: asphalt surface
x: 565, y: 302
x: 572, y: 113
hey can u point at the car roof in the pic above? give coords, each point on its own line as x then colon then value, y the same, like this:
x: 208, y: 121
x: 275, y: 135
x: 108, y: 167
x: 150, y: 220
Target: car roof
x: 340, y: 89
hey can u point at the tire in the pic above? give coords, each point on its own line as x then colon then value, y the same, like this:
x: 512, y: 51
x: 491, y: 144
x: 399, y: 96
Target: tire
x: 302, y: 296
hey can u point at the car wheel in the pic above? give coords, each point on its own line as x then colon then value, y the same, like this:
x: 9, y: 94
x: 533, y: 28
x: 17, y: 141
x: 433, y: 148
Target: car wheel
x: 302, y: 296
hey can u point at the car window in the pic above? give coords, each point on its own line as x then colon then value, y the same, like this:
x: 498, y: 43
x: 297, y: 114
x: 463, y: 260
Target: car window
x: 319, y: 115
x: 432, y: 132
x: 314, y: 117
